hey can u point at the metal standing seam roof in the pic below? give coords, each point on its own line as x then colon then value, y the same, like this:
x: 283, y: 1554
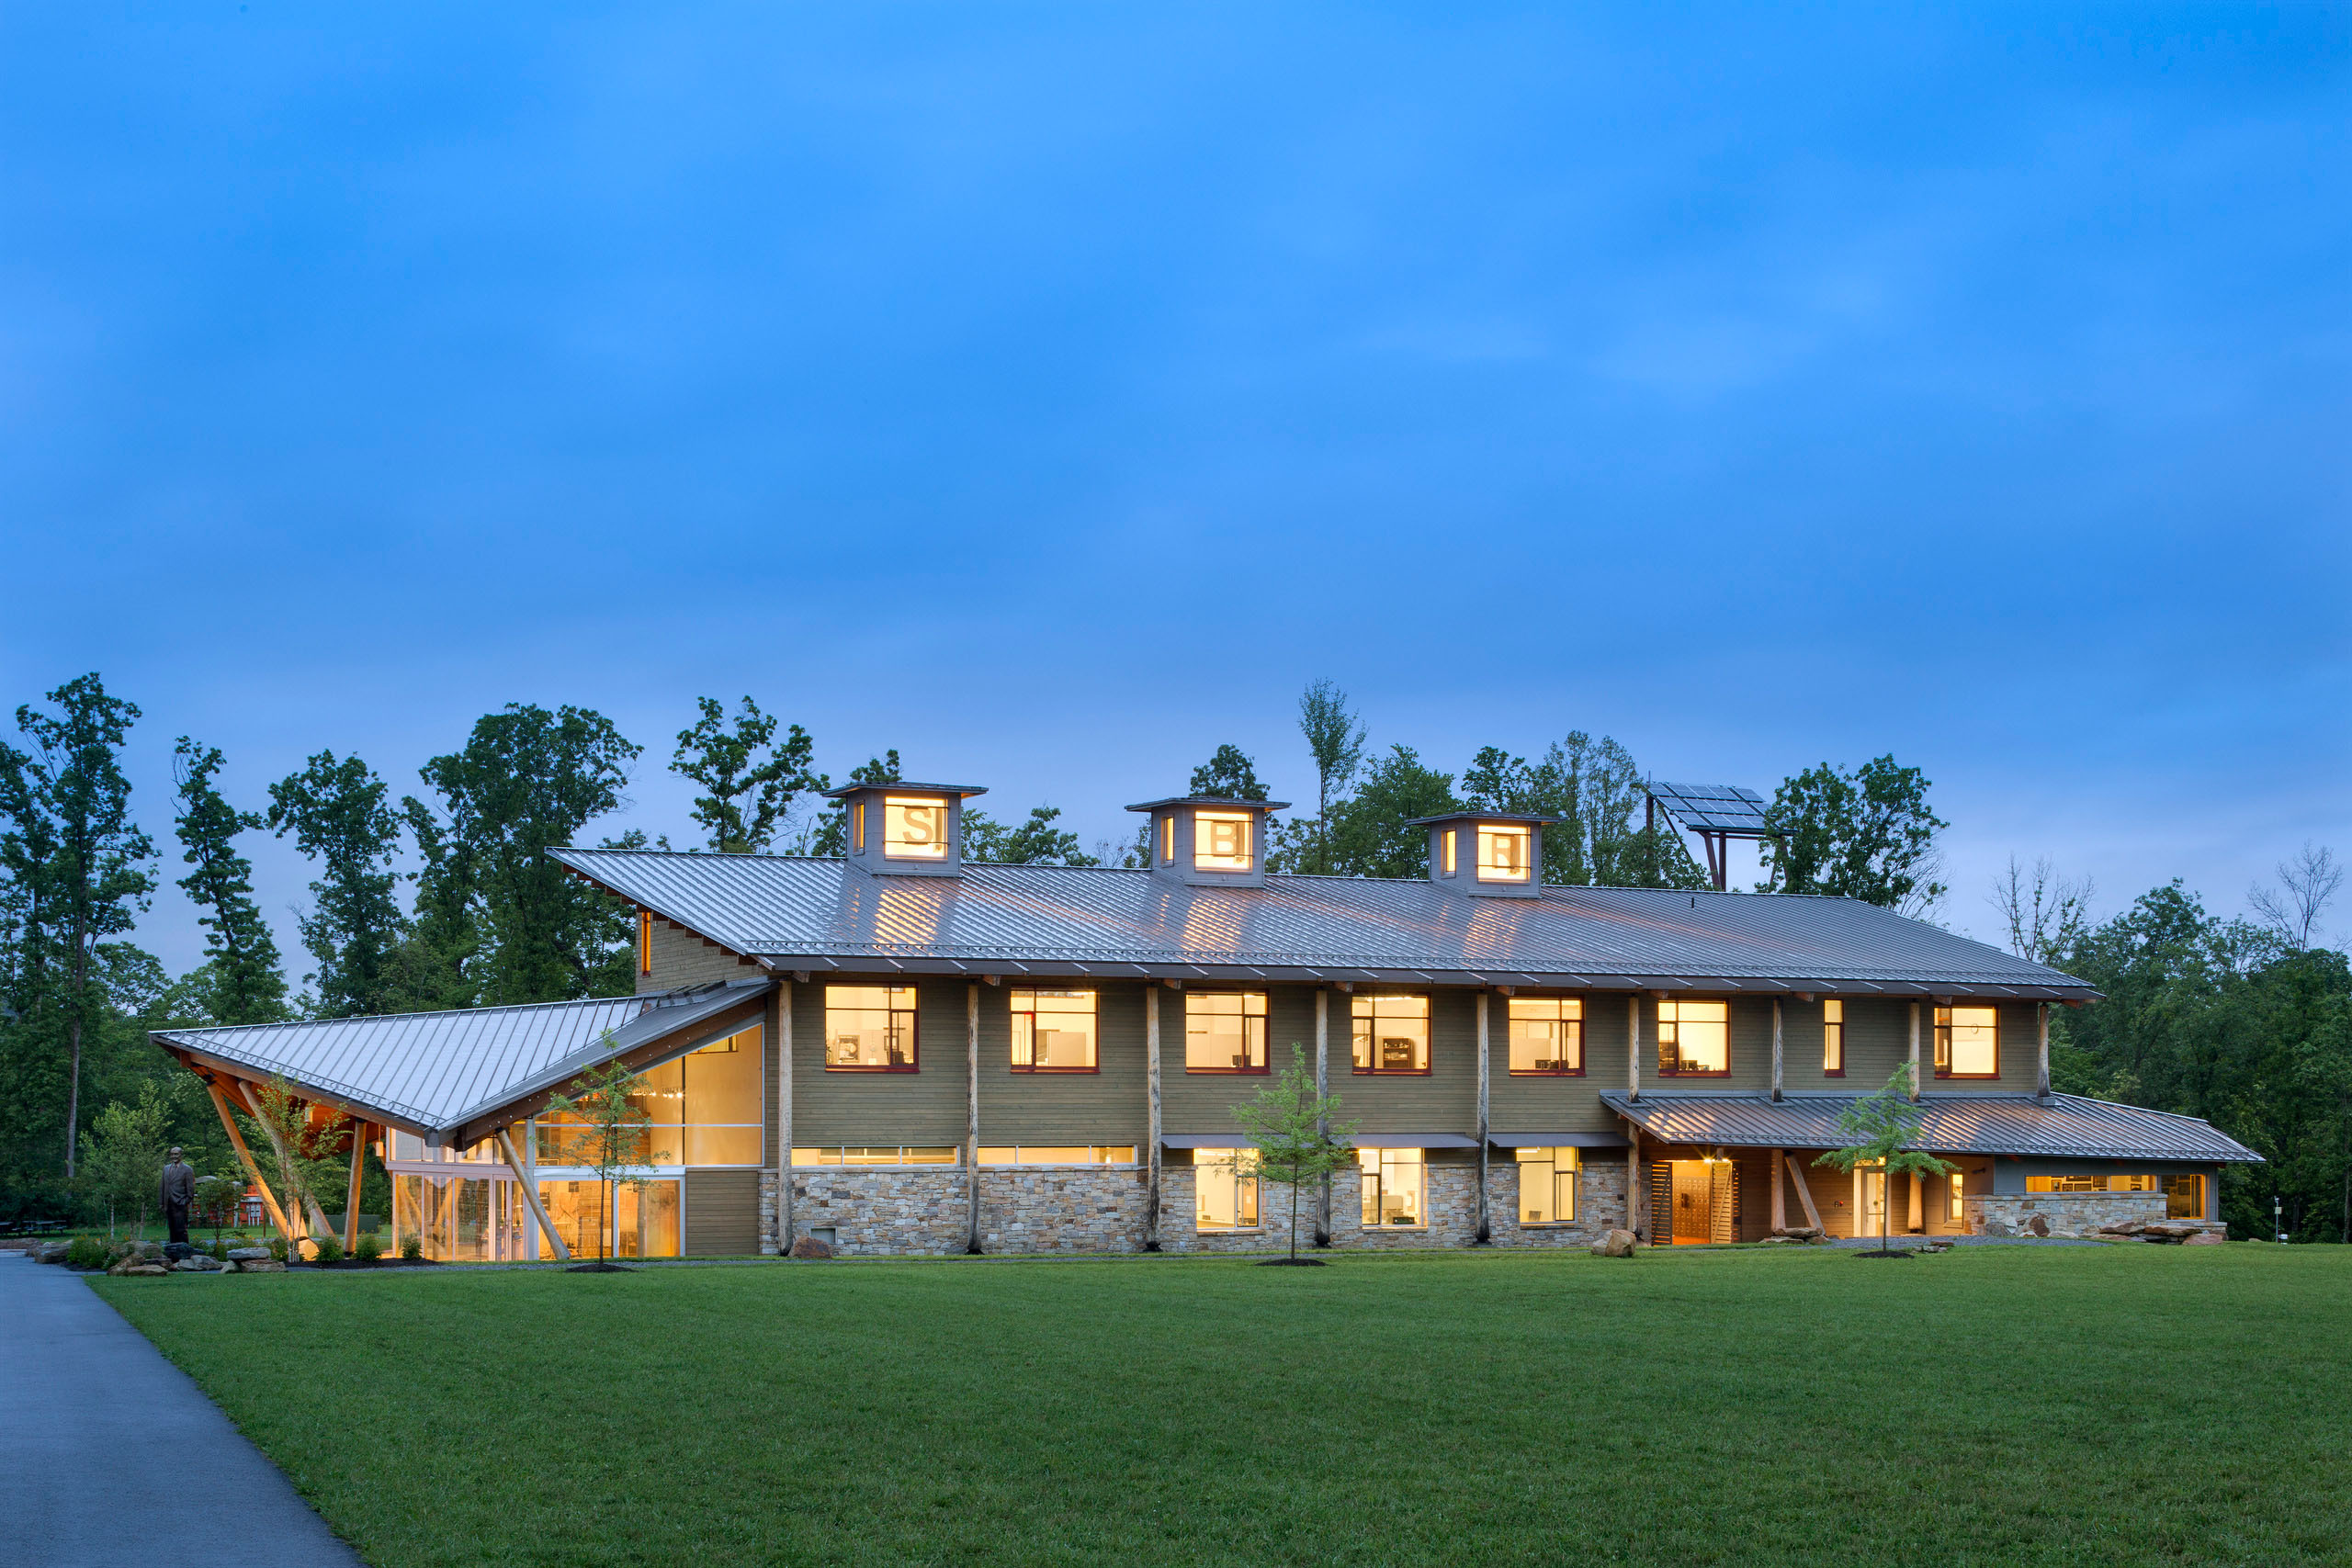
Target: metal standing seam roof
x: 2064, y: 1125
x: 437, y: 1070
x: 825, y: 914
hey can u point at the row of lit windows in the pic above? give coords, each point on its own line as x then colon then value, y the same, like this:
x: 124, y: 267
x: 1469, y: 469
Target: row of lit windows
x: 910, y: 1154
x: 873, y: 1029
x: 1392, y: 1187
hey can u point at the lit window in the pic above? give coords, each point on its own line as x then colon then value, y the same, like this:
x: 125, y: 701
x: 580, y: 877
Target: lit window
x: 1168, y: 840
x: 1224, y: 1189
x: 914, y: 828
x: 1547, y: 1186
x: 870, y: 1029
x: 1028, y: 1153
x: 1392, y: 1181
x: 1693, y: 1037
x: 871, y: 1155
x: 704, y: 1108
x: 2184, y: 1197
x: 1959, y: 1185
x: 1452, y: 837
x: 1547, y: 1034
x: 645, y: 942
x: 1053, y: 1031
x: 1225, y: 1032
x: 857, y: 828
x: 1503, y: 854
x: 1833, y: 1039
x: 1968, y: 1042
x: 2130, y: 1182
x: 1221, y: 840
x: 1392, y: 1035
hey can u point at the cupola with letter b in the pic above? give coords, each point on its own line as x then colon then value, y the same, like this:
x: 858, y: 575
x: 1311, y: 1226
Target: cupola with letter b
x: 1209, y: 841
x: 1486, y: 854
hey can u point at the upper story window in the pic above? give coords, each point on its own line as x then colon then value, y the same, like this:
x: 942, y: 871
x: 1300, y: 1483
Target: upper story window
x: 645, y: 942
x: 1693, y: 1038
x: 1833, y: 1039
x: 1168, y: 840
x: 914, y: 828
x: 1225, y: 1032
x: 704, y: 1108
x: 1968, y: 1042
x: 1392, y: 1035
x: 1547, y: 1034
x: 1053, y: 1031
x: 886, y: 1154
x: 1449, y: 851
x: 1222, y: 840
x: 870, y: 1029
x: 1503, y: 854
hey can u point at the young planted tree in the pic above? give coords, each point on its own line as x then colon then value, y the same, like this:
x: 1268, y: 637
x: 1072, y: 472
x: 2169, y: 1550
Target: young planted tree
x: 1299, y: 1143
x: 603, y: 1127
x: 218, y: 1199
x: 1883, y: 1127
x: 749, y: 781
x: 339, y: 815
x: 241, y: 983
x: 122, y: 1158
x: 303, y: 1153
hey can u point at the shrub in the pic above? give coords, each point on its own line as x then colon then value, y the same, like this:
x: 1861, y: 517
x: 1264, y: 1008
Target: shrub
x: 278, y: 1248
x: 411, y: 1248
x: 370, y: 1248
x: 86, y: 1252
x: 221, y: 1249
x: 328, y: 1249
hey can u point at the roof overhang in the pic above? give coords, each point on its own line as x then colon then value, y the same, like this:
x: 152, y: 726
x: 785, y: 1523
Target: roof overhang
x: 2059, y: 1126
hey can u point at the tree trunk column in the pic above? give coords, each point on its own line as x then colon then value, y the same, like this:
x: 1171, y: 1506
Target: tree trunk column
x: 1151, y: 1118
x: 1323, y: 1123
x: 1915, y: 1051
x: 1633, y: 1047
x: 784, y: 1236
x: 1483, y: 1221
x: 2041, y: 1028
x: 1780, y: 1188
x: 972, y: 1116
x: 1776, y: 1048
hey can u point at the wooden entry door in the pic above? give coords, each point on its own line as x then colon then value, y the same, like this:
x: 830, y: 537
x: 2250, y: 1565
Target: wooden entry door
x: 1694, y: 1202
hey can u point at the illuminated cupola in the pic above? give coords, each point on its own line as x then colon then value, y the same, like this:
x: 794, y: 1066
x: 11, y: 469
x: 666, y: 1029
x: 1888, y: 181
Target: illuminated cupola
x: 1486, y: 854
x: 1208, y: 842
x: 905, y: 830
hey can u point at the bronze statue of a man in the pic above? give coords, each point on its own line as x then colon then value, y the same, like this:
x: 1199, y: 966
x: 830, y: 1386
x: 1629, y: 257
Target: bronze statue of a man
x: 179, y: 1196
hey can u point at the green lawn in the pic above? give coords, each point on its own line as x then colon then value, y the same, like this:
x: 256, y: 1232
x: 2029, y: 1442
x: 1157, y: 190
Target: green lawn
x: 2122, y: 1405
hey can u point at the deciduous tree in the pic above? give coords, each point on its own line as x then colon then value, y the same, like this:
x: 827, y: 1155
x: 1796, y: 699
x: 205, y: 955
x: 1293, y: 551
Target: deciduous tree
x: 1299, y: 1139
x: 1881, y: 1129
x: 601, y: 1124
x: 1228, y: 775
x: 749, y: 780
x: 241, y: 981
x: 1866, y: 835
x: 1368, y: 834
x: 339, y: 815
x: 1335, y: 738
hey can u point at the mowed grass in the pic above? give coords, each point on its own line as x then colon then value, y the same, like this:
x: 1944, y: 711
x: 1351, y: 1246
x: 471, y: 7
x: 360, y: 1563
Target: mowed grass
x: 2127, y: 1405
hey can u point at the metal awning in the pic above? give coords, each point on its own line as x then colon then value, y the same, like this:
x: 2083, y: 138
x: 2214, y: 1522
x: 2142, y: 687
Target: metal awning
x: 1559, y: 1140
x: 2065, y: 1126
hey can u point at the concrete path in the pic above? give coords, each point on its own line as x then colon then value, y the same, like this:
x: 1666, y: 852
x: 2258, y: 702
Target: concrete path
x: 110, y: 1456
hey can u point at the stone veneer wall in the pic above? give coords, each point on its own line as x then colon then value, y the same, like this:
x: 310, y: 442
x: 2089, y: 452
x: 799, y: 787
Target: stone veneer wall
x: 2066, y: 1214
x: 1079, y: 1209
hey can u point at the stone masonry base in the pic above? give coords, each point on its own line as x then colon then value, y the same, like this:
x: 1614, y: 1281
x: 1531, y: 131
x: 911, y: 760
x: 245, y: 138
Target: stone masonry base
x: 2063, y: 1213
x: 1083, y: 1209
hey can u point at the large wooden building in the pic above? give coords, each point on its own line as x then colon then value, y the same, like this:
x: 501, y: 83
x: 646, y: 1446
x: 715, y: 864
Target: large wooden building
x: 900, y: 1051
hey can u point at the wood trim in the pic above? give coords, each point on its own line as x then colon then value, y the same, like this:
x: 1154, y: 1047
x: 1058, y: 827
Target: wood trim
x: 530, y: 1191
x: 1151, y: 1117
x: 351, y: 1196
x: 245, y: 1157
x: 1805, y: 1191
x: 1481, y: 1233
x: 783, y: 1117
x: 253, y: 1102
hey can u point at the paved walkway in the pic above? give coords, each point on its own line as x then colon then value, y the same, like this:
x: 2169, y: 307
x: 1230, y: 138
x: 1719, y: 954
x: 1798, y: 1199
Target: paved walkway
x: 110, y: 1456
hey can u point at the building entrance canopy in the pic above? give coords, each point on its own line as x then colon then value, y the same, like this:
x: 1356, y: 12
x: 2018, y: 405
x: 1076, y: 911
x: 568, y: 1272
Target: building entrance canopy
x: 2061, y: 1126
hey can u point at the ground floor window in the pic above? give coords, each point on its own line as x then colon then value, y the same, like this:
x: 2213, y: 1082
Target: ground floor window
x: 1224, y: 1189
x: 1547, y: 1186
x: 1394, y: 1186
x: 1038, y: 1154
x: 2184, y: 1197
x: 646, y: 1215
x: 2123, y: 1183
x: 456, y: 1219
x: 1958, y: 1210
x: 878, y: 1153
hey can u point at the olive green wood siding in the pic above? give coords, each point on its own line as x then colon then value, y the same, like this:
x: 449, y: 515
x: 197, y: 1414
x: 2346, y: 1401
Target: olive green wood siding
x: 722, y: 1212
x: 682, y: 958
x: 1445, y: 1100
x: 1201, y: 1105
x: 1102, y: 1107
x: 925, y: 1107
x: 1542, y: 1103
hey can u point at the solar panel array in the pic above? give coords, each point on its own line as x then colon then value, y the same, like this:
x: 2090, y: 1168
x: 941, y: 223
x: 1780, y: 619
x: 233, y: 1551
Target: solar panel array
x: 1712, y: 808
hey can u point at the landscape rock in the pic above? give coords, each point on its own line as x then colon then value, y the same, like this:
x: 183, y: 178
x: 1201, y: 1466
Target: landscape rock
x: 1799, y: 1233
x: 260, y: 1266
x: 1616, y: 1243
x: 2037, y: 1225
x: 2205, y: 1238
x: 249, y: 1255
x: 140, y: 1266
x: 196, y: 1263
x: 53, y: 1252
x: 1997, y: 1227
x: 809, y: 1246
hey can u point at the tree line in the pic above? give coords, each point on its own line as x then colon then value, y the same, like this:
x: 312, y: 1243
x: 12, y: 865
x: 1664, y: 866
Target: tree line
x: 446, y: 897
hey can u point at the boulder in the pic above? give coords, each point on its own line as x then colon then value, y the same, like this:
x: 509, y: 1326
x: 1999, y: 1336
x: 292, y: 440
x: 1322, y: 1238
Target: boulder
x: 53, y: 1252
x: 249, y: 1255
x: 260, y: 1266
x: 1616, y: 1243
x: 809, y: 1246
x: 2037, y: 1225
x: 1996, y: 1227
x: 2205, y: 1238
x: 2128, y: 1227
x: 196, y: 1263
x: 1800, y: 1232
x: 140, y: 1266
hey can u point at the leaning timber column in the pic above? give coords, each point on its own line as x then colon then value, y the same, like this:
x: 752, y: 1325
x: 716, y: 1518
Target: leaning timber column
x: 1915, y: 1051
x: 1323, y: 1123
x: 1151, y: 1117
x: 1780, y: 1185
x: 1776, y: 1063
x: 2041, y: 1027
x: 972, y: 1116
x: 350, y: 1195
x: 1482, y: 1231
x: 311, y: 1211
x: 1637, y: 1187
x: 783, y: 1117
x: 1633, y: 1047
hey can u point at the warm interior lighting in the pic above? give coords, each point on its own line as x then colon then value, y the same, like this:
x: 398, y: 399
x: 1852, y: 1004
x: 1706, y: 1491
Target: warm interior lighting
x: 1224, y: 1189
x: 645, y: 942
x: 1032, y: 1154
x: 1391, y: 1184
x: 1391, y: 1033
x: 914, y: 828
x: 1225, y: 1032
x: 1221, y: 840
x: 1693, y: 1037
x: 1547, y: 1186
x: 886, y: 1154
x: 1968, y: 1042
x: 1833, y: 1038
x: 1168, y: 840
x: 870, y: 1029
x: 1503, y: 854
x: 1452, y: 836
x: 1546, y: 1034
x: 857, y: 828
x: 1053, y: 1031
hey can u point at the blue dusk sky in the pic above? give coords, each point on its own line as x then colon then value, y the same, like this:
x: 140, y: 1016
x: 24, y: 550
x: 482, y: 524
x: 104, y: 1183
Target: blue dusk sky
x: 1051, y: 392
